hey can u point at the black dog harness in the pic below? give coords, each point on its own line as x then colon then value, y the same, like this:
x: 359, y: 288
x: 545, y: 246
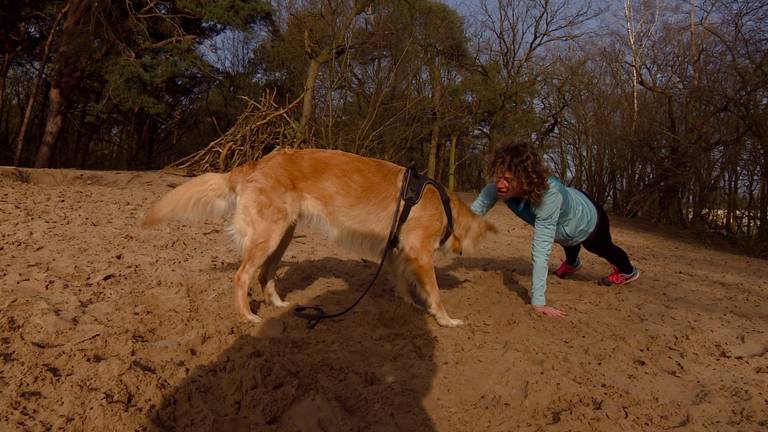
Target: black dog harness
x: 410, y: 194
x: 413, y: 189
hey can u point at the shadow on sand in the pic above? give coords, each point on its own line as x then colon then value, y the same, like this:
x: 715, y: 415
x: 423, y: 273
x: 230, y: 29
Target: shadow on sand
x: 369, y: 370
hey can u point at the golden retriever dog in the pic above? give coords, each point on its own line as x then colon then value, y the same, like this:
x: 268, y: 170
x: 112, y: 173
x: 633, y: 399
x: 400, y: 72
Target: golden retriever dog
x: 352, y: 197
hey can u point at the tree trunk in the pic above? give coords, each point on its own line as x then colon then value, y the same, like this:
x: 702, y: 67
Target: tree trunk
x: 452, y: 162
x: 318, y: 57
x: 563, y: 174
x: 7, y: 59
x: 629, y: 16
x: 437, y: 96
x: 84, y: 146
x: 670, y: 205
x: 36, y: 88
x: 3, y: 74
x: 147, y: 142
x: 69, y: 67
x: 54, y: 121
x: 733, y: 194
x: 433, y: 144
x: 309, y: 93
x: 762, y: 232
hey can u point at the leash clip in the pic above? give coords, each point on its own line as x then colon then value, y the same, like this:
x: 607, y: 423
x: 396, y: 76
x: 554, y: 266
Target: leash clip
x: 313, y: 314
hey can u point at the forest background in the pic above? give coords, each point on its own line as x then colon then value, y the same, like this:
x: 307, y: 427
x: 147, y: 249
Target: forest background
x: 656, y: 108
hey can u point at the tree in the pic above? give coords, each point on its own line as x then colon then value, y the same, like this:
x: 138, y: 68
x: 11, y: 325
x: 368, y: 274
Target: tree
x: 439, y: 34
x: 36, y: 86
x: 135, y: 35
x: 323, y: 30
x: 512, y: 37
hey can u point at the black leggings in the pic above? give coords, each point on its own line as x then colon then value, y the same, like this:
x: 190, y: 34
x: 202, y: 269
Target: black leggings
x: 600, y: 244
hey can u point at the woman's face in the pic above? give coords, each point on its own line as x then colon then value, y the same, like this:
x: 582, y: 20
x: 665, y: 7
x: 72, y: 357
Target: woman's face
x: 508, y: 186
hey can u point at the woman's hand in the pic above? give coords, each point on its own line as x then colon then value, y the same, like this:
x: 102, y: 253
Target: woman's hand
x: 549, y: 311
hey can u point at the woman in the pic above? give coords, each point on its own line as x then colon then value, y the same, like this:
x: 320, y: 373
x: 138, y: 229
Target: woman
x: 558, y: 214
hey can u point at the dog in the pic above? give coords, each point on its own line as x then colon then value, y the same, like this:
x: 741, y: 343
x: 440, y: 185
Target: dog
x: 351, y: 196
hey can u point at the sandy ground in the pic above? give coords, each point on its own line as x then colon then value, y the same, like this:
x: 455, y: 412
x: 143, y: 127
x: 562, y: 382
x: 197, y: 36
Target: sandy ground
x: 108, y: 326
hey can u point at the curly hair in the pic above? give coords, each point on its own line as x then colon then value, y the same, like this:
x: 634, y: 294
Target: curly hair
x: 527, y: 166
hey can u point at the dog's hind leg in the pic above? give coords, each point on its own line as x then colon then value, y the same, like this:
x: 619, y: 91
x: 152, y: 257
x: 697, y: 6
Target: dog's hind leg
x: 423, y: 269
x: 258, y: 245
x: 269, y: 269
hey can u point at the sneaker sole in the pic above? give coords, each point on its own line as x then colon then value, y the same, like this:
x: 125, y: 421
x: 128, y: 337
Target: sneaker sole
x: 567, y: 274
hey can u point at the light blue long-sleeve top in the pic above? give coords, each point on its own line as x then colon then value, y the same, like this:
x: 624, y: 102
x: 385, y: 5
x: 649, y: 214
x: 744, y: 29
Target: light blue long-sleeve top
x: 564, y: 215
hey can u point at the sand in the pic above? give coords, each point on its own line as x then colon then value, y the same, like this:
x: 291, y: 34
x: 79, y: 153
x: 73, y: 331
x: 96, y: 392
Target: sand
x: 105, y: 325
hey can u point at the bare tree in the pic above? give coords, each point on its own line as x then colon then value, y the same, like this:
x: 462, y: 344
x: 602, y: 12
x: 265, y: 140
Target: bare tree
x: 512, y: 35
x: 638, y: 33
x: 325, y: 28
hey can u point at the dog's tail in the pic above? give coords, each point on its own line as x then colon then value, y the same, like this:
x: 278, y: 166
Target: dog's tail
x: 210, y: 195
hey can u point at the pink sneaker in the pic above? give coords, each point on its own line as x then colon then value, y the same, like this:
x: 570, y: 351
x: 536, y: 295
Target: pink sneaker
x: 565, y: 269
x: 619, y: 278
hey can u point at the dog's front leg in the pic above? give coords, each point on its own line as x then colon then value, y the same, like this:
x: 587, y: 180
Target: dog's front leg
x: 399, y: 273
x: 424, y: 270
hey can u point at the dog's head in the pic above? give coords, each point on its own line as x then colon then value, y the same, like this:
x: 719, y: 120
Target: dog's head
x: 468, y: 228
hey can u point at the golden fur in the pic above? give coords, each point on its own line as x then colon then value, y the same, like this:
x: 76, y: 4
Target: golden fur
x: 352, y: 196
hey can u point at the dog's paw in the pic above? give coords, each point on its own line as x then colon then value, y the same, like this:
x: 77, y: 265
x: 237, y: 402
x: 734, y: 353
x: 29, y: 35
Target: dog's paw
x: 449, y: 322
x: 251, y: 317
x: 280, y: 303
x: 272, y: 299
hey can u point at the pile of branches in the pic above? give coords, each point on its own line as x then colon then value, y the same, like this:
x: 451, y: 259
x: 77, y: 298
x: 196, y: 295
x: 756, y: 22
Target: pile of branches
x: 264, y: 126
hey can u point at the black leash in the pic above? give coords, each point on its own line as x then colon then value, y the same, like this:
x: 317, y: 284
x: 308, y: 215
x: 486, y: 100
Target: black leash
x: 410, y: 193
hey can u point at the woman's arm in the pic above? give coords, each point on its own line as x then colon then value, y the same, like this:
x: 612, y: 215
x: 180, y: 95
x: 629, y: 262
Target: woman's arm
x: 547, y: 214
x: 486, y: 200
